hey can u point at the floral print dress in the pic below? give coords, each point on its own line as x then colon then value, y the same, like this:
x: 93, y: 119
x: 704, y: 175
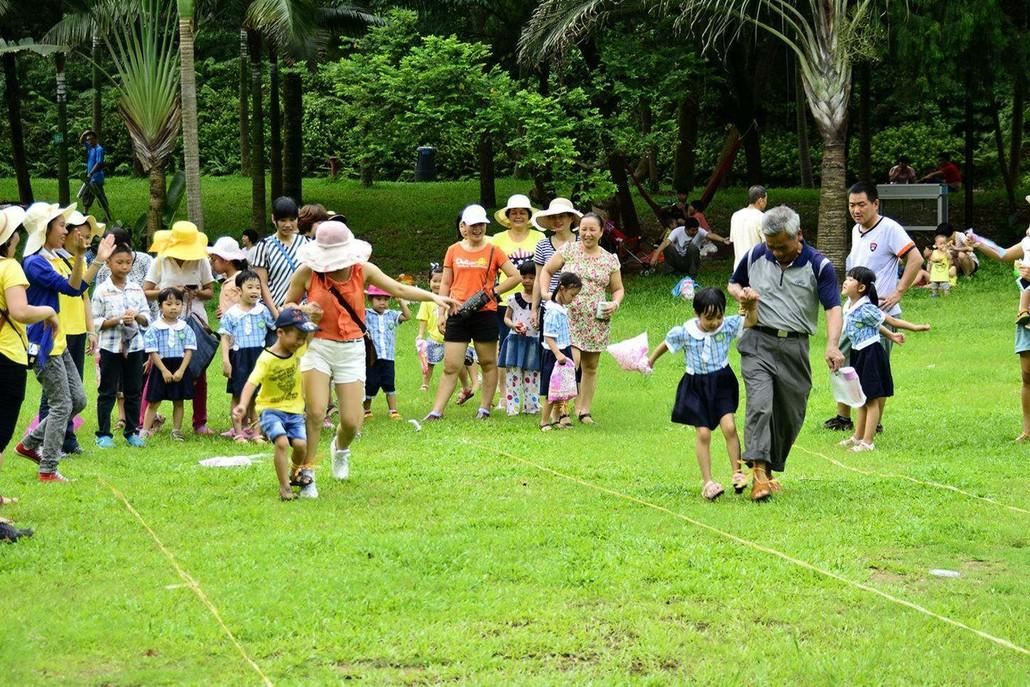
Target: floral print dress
x: 589, y: 333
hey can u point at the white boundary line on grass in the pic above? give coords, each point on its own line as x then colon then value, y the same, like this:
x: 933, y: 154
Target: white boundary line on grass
x: 190, y: 582
x: 936, y: 485
x: 1004, y: 643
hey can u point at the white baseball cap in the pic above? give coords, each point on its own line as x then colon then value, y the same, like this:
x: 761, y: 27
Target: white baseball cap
x: 474, y: 214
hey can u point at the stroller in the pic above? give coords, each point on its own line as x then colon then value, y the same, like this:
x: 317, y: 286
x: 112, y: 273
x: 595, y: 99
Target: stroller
x: 628, y: 249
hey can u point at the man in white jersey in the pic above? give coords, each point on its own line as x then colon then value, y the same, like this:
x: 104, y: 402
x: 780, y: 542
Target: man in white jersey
x: 882, y: 245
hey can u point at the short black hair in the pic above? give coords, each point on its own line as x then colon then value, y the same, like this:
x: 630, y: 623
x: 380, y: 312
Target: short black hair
x: 944, y: 229
x: 865, y: 187
x: 699, y: 205
x: 244, y: 276
x: 121, y: 248
x: 691, y: 223
x: 168, y: 293
x: 903, y: 159
x: 710, y: 301
x: 252, y: 235
x: 284, y: 207
x: 121, y: 235
x: 527, y: 268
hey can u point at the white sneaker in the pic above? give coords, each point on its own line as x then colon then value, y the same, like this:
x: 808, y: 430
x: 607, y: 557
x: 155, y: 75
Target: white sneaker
x: 862, y: 447
x: 311, y: 490
x: 341, y: 461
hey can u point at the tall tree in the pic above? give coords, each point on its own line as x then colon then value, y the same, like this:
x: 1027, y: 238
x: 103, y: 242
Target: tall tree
x: 190, y: 131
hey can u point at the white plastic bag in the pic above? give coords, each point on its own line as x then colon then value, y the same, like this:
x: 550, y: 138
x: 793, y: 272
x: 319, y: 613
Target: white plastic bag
x: 631, y: 354
x: 847, y: 388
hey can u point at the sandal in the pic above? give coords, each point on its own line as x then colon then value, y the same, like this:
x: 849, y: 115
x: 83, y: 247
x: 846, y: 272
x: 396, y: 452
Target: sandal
x: 547, y: 426
x: 1022, y: 438
x: 564, y: 422
x: 711, y: 490
x: 464, y: 396
x: 586, y: 419
x: 774, y: 485
x: 8, y: 500
x: 739, y: 482
x: 301, y: 480
x: 120, y: 424
x: 424, y: 387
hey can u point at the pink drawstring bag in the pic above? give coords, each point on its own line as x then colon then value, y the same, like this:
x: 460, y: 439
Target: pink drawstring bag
x: 631, y: 354
x: 563, y: 382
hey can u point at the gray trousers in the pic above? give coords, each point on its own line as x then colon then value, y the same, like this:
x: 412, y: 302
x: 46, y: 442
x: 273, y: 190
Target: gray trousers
x: 778, y: 378
x: 688, y: 264
x: 63, y: 388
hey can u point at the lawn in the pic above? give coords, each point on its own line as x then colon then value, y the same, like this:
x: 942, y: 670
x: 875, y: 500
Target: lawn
x: 489, y: 553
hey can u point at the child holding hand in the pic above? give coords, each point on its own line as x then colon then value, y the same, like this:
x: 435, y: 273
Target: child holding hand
x: 708, y: 394
x: 170, y: 344
x: 557, y: 348
x: 243, y: 329
x: 382, y: 327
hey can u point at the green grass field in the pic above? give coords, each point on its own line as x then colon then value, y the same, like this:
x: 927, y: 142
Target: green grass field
x: 489, y: 553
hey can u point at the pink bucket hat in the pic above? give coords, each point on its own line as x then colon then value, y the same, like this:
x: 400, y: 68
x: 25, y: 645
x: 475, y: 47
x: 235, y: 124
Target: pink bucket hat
x: 374, y: 290
x: 334, y: 248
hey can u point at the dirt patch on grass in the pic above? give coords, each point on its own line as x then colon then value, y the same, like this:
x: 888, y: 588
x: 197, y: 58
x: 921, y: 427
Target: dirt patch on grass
x: 884, y: 577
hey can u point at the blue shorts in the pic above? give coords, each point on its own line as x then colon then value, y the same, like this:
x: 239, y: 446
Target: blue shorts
x: 276, y: 423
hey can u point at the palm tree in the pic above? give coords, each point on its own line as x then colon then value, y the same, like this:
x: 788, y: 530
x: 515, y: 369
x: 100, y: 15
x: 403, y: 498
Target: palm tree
x: 825, y: 36
x: 190, y: 132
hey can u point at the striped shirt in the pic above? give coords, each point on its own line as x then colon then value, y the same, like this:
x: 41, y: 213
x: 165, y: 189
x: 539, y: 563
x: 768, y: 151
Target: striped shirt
x: 246, y: 327
x: 862, y: 322
x: 705, y: 352
x: 280, y: 261
x: 169, y: 340
x: 383, y: 330
x: 543, y: 252
x: 109, y: 302
x: 556, y: 324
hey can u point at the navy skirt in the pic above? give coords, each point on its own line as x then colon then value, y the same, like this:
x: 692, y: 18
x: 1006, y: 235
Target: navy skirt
x: 547, y: 363
x: 702, y: 400
x: 160, y: 390
x: 243, y: 362
x: 874, y: 371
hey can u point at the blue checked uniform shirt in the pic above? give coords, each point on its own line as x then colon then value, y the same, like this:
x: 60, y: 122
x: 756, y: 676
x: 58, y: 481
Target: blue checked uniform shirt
x: 556, y: 324
x: 109, y: 301
x: 383, y: 330
x: 247, y: 329
x: 169, y: 340
x: 862, y: 324
x: 705, y: 352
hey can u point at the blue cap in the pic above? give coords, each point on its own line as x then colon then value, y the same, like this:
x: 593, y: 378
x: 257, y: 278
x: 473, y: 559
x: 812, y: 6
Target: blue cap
x: 295, y: 317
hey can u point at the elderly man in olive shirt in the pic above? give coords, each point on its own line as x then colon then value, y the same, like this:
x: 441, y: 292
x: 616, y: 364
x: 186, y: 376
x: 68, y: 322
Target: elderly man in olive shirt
x: 790, y: 280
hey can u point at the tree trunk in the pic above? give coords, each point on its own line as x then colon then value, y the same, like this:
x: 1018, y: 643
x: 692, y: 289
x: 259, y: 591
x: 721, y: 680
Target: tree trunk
x: 1003, y: 163
x: 647, y: 127
x: 156, y: 207
x: 275, y: 122
x: 244, y: 105
x: 257, y: 137
x: 753, y: 154
x: 1016, y: 140
x: 865, y: 134
x: 21, y: 165
x: 63, y: 193
x: 293, y: 148
x: 970, y: 147
x: 190, y: 130
x: 487, y: 190
x: 686, y: 143
x: 98, y: 103
x: 833, y: 235
x: 804, y: 150
x: 630, y: 224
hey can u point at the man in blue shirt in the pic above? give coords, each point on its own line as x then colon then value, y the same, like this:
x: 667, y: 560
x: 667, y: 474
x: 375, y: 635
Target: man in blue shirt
x: 93, y: 187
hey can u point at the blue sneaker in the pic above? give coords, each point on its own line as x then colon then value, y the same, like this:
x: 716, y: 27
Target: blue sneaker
x: 105, y: 442
x: 135, y: 441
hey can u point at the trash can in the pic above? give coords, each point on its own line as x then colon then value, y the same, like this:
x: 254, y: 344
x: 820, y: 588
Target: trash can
x: 425, y: 164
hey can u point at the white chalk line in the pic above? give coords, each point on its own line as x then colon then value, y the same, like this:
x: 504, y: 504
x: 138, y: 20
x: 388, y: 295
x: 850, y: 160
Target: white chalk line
x: 1004, y: 643
x: 190, y: 582
x: 926, y: 483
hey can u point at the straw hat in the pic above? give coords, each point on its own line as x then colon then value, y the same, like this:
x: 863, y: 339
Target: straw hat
x: 374, y: 290
x: 516, y: 201
x: 227, y: 248
x: 10, y: 219
x: 37, y: 219
x: 558, y: 206
x: 84, y: 134
x: 334, y: 248
x: 183, y: 242
x: 77, y: 219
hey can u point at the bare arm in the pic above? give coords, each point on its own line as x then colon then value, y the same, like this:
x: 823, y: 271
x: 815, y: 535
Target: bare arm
x: 299, y: 285
x: 513, y: 278
x: 657, y: 353
x: 20, y: 310
x: 150, y: 290
x: 896, y: 337
x: 913, y: 263
x: 834, y: 322
x: 750, y: 313
x: 156, y: 361
x: 184, y: 366
x: 552, y: 344
x: 712, y: 236
x: 905, y: 324
x: 405, y: 311
x: 226, y: 363
x: 374, y: 275
x: 547, y: 272
x: 266, y: 295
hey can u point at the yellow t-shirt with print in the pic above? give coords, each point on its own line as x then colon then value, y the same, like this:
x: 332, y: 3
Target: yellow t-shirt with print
x: 429, y: 312
x: 280, y: 382
x: 518, y: 252
x: 72, y: 314
x: 12, y: 334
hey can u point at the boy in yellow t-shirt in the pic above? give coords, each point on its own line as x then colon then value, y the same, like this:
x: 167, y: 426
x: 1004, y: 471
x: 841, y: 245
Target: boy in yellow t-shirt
x: 280, y: 404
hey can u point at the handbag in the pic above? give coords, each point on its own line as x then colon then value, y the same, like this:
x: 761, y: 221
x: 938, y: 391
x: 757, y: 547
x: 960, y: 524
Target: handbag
x: 370, y: 347
x: 479, y: 299
x: 562, y: 385
x: 207, y: 346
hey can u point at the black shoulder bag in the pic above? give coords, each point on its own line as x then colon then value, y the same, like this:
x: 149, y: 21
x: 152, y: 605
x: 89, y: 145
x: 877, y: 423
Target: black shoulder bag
x: 479, y: 299
x: 370, y: 347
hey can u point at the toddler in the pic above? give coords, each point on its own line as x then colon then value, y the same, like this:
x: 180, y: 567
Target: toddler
x: 557, y: 348
x: 170, y: 344
x: 942, y: 272
x: 243, y: 329
x: 382, y: 327
x: 520, y: 350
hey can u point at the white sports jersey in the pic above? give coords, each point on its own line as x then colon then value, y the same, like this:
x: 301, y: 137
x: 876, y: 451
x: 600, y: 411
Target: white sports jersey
x: 881, y: 249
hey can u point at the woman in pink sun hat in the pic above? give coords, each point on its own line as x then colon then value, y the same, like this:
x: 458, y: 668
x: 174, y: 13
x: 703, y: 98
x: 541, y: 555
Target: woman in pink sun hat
x: 332, y: 277
x: 382, y: 323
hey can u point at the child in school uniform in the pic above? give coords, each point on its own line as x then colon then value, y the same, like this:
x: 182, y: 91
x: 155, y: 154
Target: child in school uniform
x: 169, y: 343
x: 520, y: 350
x: 382, y: 327
x: 280, y: 402
x: 708, y: 393
x: 557, y: 348
x: 243, y: 329
x: 120, y: 314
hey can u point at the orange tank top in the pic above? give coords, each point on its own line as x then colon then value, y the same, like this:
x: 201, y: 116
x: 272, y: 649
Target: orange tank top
x: 336, y: 324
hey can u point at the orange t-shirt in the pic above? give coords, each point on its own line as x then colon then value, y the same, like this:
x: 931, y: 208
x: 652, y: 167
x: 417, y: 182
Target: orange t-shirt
x: 336, y: 324
x: 473, y: 270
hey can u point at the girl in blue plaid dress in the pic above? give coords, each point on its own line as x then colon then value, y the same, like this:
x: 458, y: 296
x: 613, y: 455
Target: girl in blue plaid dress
x: 557, y: 349
x: 708, y: 393
x: 243, y: 329
x: 170, y: 345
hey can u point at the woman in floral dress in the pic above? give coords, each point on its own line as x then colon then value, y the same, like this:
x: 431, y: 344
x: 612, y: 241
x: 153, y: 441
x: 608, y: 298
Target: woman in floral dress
x: 590, y: 313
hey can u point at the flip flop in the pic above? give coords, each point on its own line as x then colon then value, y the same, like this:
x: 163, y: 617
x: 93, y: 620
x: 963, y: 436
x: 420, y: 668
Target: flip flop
x: 586, y: 419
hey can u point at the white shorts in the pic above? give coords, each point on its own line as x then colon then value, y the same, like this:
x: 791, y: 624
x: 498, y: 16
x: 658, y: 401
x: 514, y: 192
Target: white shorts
x: 342, y: 361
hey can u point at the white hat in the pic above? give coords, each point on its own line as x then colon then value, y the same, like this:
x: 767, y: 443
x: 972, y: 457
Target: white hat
x: 474, y: 214
x: 334, y: 248
x: 77, y: 219
x: 558, y: 206
x: 516, y: 201
x: 227, y: 248
x: 11, y: 218
x: 38, y: 218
